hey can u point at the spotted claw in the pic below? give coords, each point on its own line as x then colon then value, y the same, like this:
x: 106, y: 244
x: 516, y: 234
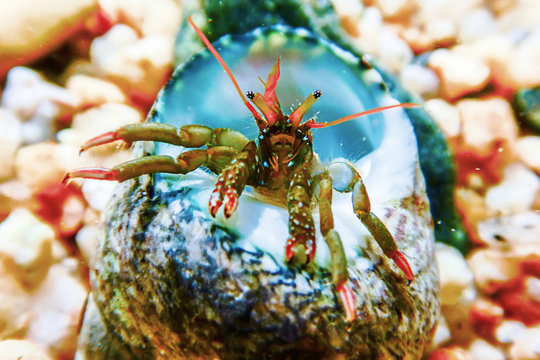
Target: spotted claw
x: 224, y: 194
x: 231, y: 202
x: 403, y: 264
x: 215, y: 202
x: 300, y: 250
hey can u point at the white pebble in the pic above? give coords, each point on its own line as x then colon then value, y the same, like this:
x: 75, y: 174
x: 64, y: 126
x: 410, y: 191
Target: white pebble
x: 32, y: 29
x: 459, y: 74
x: 518, y: 229
x: 492, y: 268
x: 10, y: 138
x: 485, y: 121
x: 482, y: 350
x: 98, y: 192
x: 393, y: 52
x: 441, y: 31
x: 137, y: 65
x: 396, y: 9
x: 22, y: 350
x: 528, y: 150
x: 87, y: 241
x: 456, y: 278
x: 347, y: 8
x: 28, y: 95
x: 476, y: 24
x: 42, y: 164
x: 145, y: 16
x: 445, y: 115
x: 509, y: 331
x: 419, y: 79
x: 27, y: 242
x: 527, y: 345
x: 442, y: 333
x: 369, y: 30
x: 117, y: 37
x: 515, y: 193
x: 524, y: 67
x: 56, y: 310
x: 93, y: 91
x: 532, y: 288
x: 14, y: 304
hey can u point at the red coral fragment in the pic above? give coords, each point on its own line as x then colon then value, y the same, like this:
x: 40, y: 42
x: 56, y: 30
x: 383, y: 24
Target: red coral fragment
x: 62, y: 207
x: 516, y: 301
x: 489, y: 166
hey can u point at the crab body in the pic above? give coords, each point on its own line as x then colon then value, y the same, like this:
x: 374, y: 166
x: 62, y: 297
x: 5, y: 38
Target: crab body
x: 178, y: 277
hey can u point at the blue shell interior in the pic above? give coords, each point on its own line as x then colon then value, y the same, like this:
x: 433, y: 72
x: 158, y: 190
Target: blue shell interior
x: 201, y: 93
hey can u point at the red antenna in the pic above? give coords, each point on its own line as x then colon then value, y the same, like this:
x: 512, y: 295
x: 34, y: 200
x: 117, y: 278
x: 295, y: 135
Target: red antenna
x: 357, y: 115
x: 218, y: 57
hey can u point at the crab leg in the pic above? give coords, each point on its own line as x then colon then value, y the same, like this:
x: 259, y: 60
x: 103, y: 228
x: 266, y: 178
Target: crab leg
x: 232, y: 180
x: 187, y: 135
x: 362, y: 209
x: 340, y: 275
x: 301, y: 245
x: 213, y: 157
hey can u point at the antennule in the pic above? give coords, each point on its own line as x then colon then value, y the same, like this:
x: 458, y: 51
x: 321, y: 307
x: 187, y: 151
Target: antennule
x: 303, y: 108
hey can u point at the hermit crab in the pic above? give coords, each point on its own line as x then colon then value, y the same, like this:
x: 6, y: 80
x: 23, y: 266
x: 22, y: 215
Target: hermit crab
x: 280, y: 165
x: 234, y: 236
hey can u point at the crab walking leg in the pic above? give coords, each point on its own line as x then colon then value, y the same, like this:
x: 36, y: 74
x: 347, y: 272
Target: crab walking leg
x: 301, y: 246
x: 340, y: 275
x: 232, y: 180
x: 362, y: 209
x: 186, y: 162
x: 187, y: 135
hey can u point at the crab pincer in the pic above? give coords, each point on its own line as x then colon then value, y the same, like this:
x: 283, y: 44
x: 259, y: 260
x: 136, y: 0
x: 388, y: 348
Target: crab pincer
x: 233, y: 179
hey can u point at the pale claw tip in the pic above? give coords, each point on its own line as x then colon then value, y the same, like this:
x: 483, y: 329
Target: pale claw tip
x: 347, y: 299
x: 403, y: 264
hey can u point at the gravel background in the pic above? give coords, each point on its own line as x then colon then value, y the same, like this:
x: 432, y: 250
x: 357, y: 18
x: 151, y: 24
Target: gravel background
x: 72, y: 70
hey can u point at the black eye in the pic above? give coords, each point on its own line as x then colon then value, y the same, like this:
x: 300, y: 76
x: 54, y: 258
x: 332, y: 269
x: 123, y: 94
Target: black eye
x: 317, y: 94
x: 250, y: 94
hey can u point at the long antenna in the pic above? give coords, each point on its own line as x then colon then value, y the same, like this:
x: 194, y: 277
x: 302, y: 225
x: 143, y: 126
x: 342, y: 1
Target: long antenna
x: 218, y: 57
x: 357, y: 115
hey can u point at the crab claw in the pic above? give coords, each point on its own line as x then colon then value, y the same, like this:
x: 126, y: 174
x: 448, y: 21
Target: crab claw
x: 230, y: 199
x: 216, y: 199
x: 231, y: 202
x: 403, y: 264
x: 300, y: 249
x: 347, y: 300
x: 105, y: 138
x: 92, y: 173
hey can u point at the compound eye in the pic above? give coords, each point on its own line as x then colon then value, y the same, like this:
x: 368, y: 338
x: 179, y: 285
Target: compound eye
x: 250, y: 95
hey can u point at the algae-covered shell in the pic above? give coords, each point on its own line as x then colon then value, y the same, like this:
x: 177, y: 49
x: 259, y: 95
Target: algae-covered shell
x: 172, y: 282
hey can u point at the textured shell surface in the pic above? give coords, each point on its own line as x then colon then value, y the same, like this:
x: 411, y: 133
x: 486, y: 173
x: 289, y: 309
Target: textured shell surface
x: 173, y: 282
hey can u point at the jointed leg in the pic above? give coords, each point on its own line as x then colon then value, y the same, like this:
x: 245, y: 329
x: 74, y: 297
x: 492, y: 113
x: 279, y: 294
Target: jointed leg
x: 184, y: 163
x: 362, y: 209
x: 340, y: 275
x: 222, y: 145
x: 301, y: 246
x: 187, y: 136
